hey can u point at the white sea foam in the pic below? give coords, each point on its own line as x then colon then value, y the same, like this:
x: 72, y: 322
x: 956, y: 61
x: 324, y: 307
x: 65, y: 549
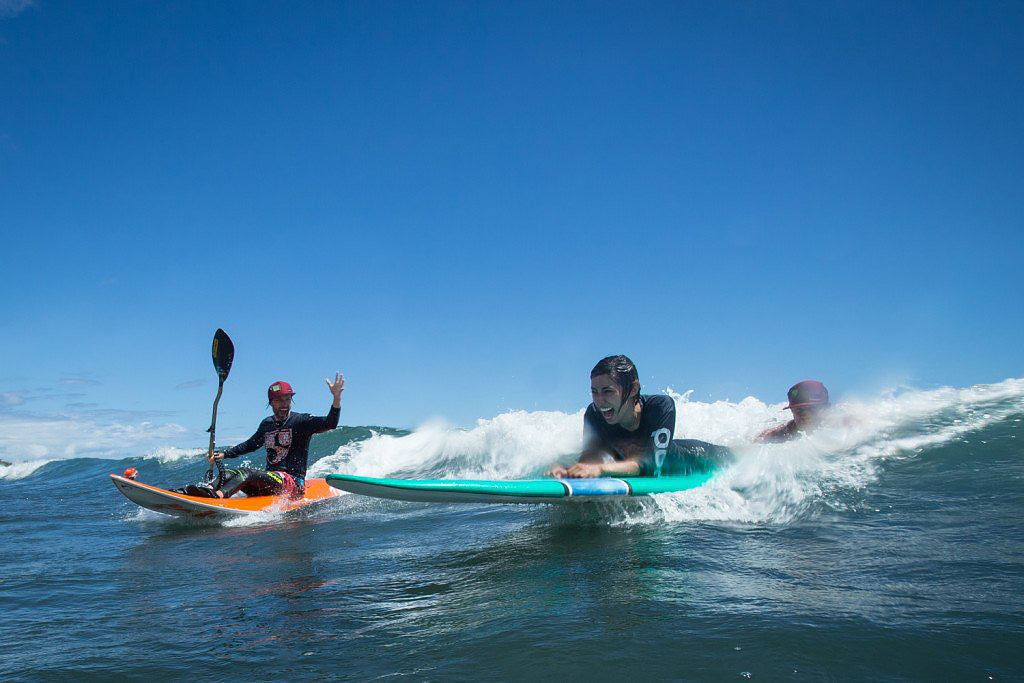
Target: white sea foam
x: 166, y: 454
x: 775, y: 482
x: 767, y: 482
x: 20, y: 470
x: 140, y: 514
x: 271, y: 515
x: 511, y: 445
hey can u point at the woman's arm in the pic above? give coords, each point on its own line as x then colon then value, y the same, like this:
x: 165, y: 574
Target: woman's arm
x: 588, y: 470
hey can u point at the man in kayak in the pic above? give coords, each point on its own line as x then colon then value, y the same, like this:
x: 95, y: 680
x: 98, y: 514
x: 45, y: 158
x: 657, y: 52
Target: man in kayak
x: 626, y: 433
x: 286, y: 437
x: 808, y: 401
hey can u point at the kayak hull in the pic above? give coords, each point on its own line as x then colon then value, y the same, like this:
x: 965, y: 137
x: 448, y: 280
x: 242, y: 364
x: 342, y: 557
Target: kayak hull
x: 170, y: 503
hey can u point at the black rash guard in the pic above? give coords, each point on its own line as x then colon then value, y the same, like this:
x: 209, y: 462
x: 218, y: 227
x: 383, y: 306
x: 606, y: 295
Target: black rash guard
x: 654, y: 434
x: 287, y: 442
x: 661, y: 454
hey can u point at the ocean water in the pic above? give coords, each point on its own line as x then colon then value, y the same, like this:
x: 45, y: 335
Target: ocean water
x: 886, y: 546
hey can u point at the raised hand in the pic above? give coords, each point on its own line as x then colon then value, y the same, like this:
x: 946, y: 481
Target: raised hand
x: 336, y: 387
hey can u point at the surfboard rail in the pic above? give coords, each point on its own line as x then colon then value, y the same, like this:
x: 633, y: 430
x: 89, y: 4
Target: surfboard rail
x: 515, y: 491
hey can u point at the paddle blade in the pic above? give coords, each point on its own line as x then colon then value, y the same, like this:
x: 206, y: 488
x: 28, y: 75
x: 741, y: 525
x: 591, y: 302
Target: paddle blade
x: 223, y: 353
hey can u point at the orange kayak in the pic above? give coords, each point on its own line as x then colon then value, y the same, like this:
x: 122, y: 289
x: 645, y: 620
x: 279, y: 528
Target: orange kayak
x: 167, y: 502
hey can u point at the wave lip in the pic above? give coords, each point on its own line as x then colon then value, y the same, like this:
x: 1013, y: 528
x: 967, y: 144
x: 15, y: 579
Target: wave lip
x: 766, y: 482
x: 773, y: 483
x: 20, y: 470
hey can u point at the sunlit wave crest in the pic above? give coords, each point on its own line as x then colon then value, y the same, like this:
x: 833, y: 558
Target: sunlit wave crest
x: 766, y: 482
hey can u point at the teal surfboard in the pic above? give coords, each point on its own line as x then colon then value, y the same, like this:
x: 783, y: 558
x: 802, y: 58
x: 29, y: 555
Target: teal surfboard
x: 516, y: 491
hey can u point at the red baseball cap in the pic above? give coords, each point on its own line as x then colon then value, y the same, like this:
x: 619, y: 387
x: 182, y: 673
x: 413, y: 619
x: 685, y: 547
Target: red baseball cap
x: 279, y: 388
x: 809, y: 392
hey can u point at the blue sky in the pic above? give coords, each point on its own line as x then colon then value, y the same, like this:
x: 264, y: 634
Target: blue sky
x: 464, y: 205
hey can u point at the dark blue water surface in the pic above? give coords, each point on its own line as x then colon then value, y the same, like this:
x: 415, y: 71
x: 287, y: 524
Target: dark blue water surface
x: 901, y: 558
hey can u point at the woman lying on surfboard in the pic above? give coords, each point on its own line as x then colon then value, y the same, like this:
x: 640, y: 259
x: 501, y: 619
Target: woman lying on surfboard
x: 286, y: 437
x: 626, y: 433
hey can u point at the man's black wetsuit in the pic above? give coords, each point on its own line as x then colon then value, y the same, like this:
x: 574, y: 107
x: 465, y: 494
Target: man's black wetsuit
x: 287, y: 445
x: 287, y: 442
x: 662, y: 454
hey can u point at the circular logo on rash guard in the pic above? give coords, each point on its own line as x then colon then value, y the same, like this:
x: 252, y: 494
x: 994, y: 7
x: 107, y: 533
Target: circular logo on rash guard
x: 661, y: 439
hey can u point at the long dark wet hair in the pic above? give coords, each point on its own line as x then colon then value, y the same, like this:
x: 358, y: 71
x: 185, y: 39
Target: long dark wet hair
x: 622, y: 371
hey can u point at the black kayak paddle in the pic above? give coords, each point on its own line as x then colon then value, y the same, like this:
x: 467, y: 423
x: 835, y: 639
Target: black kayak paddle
x: 223, y: 354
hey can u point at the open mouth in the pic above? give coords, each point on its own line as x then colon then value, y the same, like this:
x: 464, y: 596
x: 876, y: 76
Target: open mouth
x: 607, y: 412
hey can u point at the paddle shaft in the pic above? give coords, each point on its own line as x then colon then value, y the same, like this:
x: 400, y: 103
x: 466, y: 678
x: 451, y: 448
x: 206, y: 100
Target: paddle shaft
x: 213, y: 420
x: 213, y: 435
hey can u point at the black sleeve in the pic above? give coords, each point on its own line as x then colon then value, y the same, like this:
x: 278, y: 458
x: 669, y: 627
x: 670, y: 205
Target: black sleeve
x: 248, y: 446
x: 322, y: 424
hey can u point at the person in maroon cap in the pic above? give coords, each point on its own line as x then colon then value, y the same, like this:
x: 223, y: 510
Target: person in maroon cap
x: 808, y: 400
x: 285, y: 435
